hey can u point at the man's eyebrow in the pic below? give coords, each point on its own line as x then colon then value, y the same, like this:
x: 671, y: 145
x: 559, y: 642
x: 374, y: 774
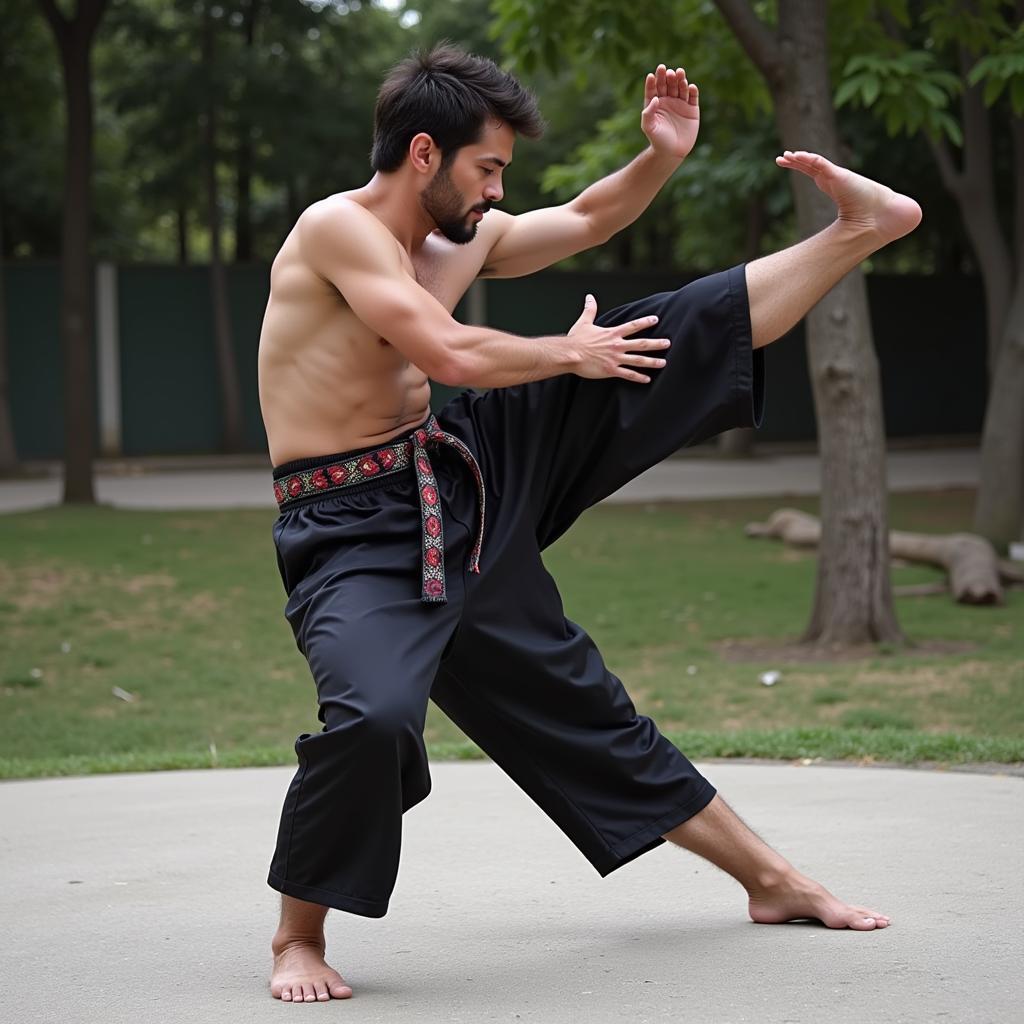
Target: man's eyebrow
x: 494, y: 160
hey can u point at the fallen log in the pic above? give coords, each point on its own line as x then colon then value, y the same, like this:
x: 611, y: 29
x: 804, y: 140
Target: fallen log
x: 975, y: 572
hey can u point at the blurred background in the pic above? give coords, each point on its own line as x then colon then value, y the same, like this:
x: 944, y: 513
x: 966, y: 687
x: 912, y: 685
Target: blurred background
x: 154, y: 154
x: 213, y: 124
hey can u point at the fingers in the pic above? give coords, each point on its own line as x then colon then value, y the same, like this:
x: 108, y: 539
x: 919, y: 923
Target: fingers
x: 669, y: 82
x: 632, y: 375
x: 630, y: 359
x: 632, y: 326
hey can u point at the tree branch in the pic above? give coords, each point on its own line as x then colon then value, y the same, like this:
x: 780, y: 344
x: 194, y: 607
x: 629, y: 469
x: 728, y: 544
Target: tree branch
x: 977, y: 167
x: 951, y: 177
x: 91, y: 11
x: 58, y: 23
x: 755, y: 37
x: 1017, y: 137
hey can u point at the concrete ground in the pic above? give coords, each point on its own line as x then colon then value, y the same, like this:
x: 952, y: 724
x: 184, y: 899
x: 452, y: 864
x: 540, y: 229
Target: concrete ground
x: 170, y: 486
x: 143, y: 898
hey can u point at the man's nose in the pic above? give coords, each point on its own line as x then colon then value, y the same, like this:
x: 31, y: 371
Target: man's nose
x: 493, y: 193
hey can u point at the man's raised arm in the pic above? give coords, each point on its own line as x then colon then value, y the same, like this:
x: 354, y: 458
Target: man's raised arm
x: 534, y: 240
x: 348, y: 247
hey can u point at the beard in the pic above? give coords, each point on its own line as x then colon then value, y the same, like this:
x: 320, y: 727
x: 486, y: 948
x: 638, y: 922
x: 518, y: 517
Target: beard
x: 442, y: 201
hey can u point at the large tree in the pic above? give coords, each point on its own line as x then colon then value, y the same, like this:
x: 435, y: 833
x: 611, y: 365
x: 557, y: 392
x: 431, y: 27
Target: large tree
x: 921, y: 63
x: 853, y: 600
x: 74, y: 37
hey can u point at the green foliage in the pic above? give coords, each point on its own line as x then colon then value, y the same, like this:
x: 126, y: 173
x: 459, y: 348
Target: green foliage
x: 908, y: 90
x: 909, y: 79
x: 1003, y: 69
x: 31, y: 132
x: 607, y: 49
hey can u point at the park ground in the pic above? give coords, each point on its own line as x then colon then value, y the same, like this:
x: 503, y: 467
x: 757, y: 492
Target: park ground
x: 140, y: 640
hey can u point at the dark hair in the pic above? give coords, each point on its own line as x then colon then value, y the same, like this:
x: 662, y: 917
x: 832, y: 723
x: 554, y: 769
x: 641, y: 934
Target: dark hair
x: 448, y: 94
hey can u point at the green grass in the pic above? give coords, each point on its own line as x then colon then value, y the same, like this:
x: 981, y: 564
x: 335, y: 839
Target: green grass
x: 183, y: 612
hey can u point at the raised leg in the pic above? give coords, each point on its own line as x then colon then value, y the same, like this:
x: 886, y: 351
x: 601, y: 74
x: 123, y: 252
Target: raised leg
x: 777, y: 891
x: 782, y: 287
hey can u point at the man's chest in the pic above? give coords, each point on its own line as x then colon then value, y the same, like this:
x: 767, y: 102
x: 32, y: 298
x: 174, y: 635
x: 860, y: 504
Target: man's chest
x: 447, y: 271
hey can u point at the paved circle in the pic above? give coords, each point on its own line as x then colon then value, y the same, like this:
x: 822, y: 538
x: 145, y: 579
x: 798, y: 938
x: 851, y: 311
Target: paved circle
x: 143, y: 898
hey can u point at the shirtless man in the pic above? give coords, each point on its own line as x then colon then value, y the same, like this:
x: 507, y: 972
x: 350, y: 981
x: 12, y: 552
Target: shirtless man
x: 409, y: 545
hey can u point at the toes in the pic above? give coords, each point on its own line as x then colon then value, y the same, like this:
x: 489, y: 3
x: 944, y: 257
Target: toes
x: 881, y: 920
x: 308, y: 993
x: 320, y: 987
x: 340, y: 990
x: 861, y: 924
x: 285, y: 995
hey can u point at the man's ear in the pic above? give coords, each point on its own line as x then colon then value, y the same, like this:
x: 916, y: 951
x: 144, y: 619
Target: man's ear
x: 423, y: 153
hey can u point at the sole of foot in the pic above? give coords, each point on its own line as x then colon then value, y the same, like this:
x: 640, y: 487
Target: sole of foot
x: 862, y: 203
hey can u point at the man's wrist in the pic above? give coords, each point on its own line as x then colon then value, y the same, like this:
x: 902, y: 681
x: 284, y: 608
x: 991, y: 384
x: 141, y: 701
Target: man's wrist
x: 668, y: 162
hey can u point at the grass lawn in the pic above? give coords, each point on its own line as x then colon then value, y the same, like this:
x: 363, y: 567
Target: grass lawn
x: 183, y: 612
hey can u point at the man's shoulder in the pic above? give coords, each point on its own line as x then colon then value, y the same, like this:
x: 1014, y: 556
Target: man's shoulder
x: 334, y: 212
x: 343, y: 228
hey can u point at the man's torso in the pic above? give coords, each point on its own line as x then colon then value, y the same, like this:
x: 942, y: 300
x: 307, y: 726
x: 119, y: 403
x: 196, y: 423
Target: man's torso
x: 327, y: 382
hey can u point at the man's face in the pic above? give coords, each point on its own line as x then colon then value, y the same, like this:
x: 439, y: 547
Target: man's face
x: 462, y: 191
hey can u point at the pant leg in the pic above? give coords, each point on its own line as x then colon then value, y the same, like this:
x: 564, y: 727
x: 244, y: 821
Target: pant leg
x: 525, y: 683
x: 532, y: 690
x: 561, y: 445
x: 351, y: 566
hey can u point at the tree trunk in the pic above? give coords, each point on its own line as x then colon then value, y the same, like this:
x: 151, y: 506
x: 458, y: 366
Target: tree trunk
x: 973, y: 189
x: 293, y: 201
x: 181, y: 221
x: 243, y: 181
x: 231, y: 398
x: 8, y: 451
x: 74, y: 38
x: 853, y: 599
x: 999, y: 511
x: 997, y: 514
x: 853, y: 602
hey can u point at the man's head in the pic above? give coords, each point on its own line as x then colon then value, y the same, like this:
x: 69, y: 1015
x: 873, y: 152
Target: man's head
x: 454, y: 116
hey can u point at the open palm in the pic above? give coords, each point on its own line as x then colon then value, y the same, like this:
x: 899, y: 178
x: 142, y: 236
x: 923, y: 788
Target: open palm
x: 671, y: 115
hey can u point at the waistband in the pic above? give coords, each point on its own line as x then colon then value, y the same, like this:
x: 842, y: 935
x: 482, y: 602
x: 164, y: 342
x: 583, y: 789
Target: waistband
x: 296, y: 482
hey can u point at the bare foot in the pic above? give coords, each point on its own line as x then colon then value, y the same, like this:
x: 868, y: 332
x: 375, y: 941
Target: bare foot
x: 862, y: 203
x: 794, y: 896
x: 301, y: 974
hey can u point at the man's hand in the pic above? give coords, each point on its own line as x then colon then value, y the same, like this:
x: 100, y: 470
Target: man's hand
x: 605, y: 352
x: 671, y: 116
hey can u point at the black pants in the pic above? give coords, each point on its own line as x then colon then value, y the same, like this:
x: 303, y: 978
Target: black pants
x: 500, y: 658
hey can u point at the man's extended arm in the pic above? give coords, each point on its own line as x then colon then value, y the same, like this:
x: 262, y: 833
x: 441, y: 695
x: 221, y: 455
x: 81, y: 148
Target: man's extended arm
x: 351, y: 249
x: 534, y: 240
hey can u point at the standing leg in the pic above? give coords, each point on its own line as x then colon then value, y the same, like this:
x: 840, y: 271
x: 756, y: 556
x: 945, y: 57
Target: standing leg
x: 777, y: 891
x: 300, y: 972
x: 782, y: 287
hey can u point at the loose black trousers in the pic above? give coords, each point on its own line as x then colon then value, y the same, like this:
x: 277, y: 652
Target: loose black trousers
x: 499, y: 658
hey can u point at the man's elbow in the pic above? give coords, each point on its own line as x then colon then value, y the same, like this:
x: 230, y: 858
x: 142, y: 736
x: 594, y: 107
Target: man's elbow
x: 450, y: 370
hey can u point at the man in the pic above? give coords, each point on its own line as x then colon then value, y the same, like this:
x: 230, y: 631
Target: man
x: 409, y: 545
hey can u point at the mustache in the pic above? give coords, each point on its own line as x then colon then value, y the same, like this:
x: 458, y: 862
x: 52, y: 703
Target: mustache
x: 482, y: 208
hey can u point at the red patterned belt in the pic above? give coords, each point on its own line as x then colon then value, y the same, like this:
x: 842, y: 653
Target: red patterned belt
x: 387, y: 461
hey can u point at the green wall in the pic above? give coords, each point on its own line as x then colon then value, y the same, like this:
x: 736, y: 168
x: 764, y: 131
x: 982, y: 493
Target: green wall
x: 929, y: 333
